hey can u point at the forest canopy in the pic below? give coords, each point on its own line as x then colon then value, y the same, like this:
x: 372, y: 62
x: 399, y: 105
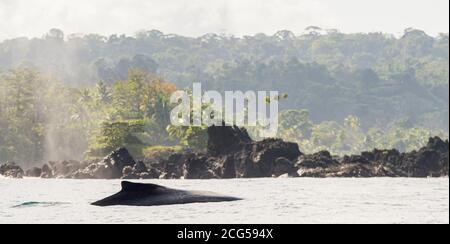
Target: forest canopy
x: 79, y: 96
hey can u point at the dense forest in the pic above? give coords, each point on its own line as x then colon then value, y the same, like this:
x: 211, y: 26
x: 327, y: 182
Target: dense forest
x: 79, y: 96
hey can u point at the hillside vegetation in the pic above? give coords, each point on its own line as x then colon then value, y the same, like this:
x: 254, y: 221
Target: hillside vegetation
x: 82, y: 95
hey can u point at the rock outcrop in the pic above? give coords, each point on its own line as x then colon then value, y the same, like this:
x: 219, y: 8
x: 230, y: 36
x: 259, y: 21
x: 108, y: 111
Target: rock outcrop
x: 223, y: 140
x: 231, y: 153
x: 430, y: 161
x: 116, y: 165
x: 46, y: 172
x: 11, y: 170
x: 34, y: 172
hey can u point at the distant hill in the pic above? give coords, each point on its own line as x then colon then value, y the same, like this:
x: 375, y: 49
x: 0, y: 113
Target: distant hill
x: 377, y: 77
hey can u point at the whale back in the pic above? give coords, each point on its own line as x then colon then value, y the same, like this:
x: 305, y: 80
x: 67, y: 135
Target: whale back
x: 138, y: 194
x: 139, y: 187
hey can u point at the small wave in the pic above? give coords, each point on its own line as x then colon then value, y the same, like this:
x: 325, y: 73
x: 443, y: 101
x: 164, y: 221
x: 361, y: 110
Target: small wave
x: 39, y: 204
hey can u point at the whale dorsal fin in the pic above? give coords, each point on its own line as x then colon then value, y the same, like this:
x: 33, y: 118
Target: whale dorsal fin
x: 130, y: 186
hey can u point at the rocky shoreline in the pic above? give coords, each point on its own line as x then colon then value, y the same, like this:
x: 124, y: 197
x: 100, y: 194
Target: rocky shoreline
x: 231, y: 153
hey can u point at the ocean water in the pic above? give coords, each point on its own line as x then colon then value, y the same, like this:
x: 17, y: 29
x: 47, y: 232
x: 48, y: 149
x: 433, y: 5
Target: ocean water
x: 298, y: 200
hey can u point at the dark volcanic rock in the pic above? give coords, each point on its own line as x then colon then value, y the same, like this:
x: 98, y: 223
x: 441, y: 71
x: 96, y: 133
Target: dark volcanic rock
x: 234, y: 154
x: 11, y: 170
x: 100, y: 170
x: 224, y: 140
x: 437, y: 144
x: 355, y: 159
x: 64, y: 169
x: 138, y: 171
x: 129, y: 173
x: 111, y: 167
x: 351, y: 170
x: 173, y: 167
x: 140, y: 167
x: 146, y: 176
x: 343, y: 170
x: 223, y: 166
x: 105, y: 170
x: 322, y: 159
x: 284, y: 166
x: 196, y: 168
x: 82, y: 175
x: 46, y: 172
x: 387, y: 156
x: 431, y: 160
x: 153, y: 173
x: 34, y: 172
x: 119, y: 159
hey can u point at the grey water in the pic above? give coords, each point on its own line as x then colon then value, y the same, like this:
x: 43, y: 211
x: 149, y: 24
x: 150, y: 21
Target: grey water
x: 297, y: 200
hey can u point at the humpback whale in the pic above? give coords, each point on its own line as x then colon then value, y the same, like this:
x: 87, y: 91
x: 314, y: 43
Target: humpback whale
x: 137, y: 194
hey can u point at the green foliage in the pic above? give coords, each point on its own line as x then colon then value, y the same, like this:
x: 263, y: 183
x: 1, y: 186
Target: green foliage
x: 375, y: 76
x: 153, y: 151
x: 46, y: 120
x: 138, y: 113
x: 101, y: 88
x: 21, y: 109
x: 192, y: 136
x: 295, y: 124
x: 112, y: 135
x: 348, y: 138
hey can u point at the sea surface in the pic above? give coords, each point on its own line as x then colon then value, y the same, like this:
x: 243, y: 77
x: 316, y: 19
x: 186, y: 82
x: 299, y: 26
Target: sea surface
x: 298, y: 200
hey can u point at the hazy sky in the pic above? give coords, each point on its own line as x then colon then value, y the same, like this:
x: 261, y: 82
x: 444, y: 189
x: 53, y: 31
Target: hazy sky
x: 238, y: 17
